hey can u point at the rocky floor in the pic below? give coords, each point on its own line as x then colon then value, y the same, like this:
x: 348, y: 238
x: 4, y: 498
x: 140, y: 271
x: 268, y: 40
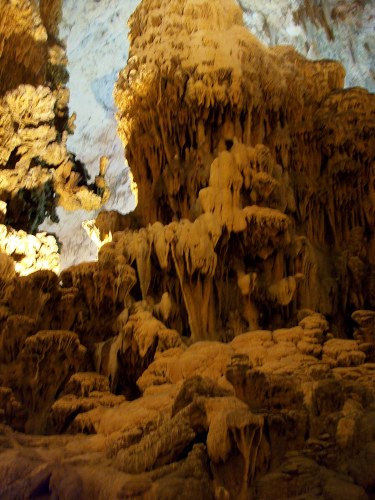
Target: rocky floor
x: 291, y: 411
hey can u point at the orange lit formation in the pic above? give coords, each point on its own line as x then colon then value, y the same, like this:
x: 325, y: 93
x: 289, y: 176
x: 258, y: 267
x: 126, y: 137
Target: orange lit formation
x: 224, y: 343
x: 36, y: 170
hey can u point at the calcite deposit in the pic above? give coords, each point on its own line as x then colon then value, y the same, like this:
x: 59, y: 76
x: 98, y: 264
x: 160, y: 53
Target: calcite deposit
x: 303, y: 24
x: 265, y: 144
x: 223, y: 344
x: 36, y: 170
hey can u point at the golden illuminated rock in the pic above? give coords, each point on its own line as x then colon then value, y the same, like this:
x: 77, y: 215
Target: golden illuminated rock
x: 215, y: 122
x: 31, y: 253
x: 35, y: 165
x: 206, y: 352
x: 34, y: 161
x: 23, y: 42
x: 206, y: 81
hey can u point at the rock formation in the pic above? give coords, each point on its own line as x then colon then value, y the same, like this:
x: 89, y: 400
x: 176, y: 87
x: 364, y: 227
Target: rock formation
x: 30, y: 252
x: 241, y: 129
x: 337, y: 29
x: 37, y: 171
x: 334, y: 29
x: 95, y: 34
x: 222, y: 346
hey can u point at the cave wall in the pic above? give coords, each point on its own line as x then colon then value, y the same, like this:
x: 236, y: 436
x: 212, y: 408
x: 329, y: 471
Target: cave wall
x: 334, y: 29
x: 37, y: 171
x: 337, y: 30
x: 25, y: 43
x: 95, y: 34
x: 214, y: 97
x: 193, y: 356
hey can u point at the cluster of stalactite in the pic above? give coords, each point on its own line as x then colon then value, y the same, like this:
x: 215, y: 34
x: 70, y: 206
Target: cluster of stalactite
x: 208, y: 84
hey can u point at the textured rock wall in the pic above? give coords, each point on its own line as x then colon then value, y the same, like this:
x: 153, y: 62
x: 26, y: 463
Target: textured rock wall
x: 257, y: 148
x: 95, y: 34
x: 24, y: 40
x: 119, y: 366
x: 334, y: 29
x: 286, y: 411
x: 37, y: 172
x: 342, y: 31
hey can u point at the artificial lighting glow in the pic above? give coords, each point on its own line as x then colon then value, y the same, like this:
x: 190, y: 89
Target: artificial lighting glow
x: 94, y: 233
x: 133, y: 187
x: 30, y: 253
